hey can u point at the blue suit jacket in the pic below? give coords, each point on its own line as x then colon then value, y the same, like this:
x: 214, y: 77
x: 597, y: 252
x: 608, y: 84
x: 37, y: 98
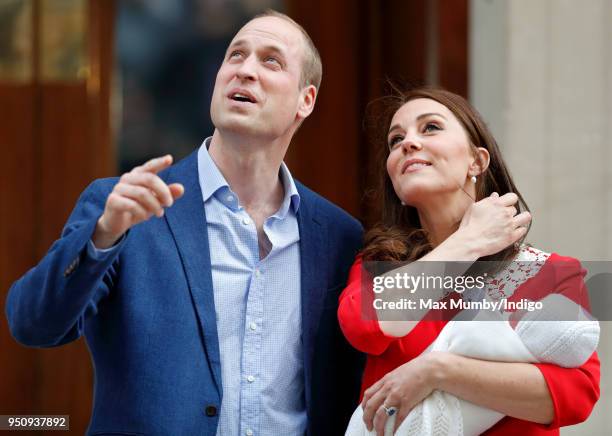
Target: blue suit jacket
x: 148, y: 314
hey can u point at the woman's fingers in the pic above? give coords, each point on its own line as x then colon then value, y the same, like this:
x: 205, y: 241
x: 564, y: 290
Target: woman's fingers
x: 494, y: 223
x: 522, y: 219
x: 401, y: 415
x: 509, y: 199
x: 518, y: 233
x: 380, y: 419
x: 369, y: 392
x: 372, y: 406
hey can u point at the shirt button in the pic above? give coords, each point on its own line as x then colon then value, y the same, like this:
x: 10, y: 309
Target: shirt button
x: 250, y: 379
x: 210, y: 411
x: 253, y: 326
x: 257, y: 273
x: 248, y: 432
x: 246, y: 221
x: 230, y: 198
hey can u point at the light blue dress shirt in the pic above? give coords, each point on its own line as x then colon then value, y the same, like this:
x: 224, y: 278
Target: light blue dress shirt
x: 258, y: 308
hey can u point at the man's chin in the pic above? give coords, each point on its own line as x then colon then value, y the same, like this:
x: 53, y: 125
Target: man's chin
x: 239, y: 126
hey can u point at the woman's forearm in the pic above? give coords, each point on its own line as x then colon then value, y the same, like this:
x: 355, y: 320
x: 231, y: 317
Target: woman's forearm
x: 514, y: 389
x: 454, y: 249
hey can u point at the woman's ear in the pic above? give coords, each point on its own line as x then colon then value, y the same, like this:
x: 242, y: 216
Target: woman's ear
x: 481, y: 161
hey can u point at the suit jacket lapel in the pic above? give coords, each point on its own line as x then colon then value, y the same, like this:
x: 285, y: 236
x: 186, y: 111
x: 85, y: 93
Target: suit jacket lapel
x: 187, y: 220
x: 313, y: 278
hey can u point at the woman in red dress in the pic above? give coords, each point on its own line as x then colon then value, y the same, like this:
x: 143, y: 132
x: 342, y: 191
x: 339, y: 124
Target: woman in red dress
x: 448, y: 196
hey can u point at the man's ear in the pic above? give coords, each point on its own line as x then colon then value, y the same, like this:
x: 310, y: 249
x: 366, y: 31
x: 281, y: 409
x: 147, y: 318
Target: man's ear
x: 307, y: 101
x: 481, y: 161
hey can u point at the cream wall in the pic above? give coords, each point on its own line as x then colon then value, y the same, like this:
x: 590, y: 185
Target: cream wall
x: 541, y: 75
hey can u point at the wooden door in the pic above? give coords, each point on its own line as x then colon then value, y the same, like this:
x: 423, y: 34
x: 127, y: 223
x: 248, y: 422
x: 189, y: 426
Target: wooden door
x: 55, y: 71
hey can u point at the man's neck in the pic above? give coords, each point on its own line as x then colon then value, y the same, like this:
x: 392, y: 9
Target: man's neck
x: 251, y: 167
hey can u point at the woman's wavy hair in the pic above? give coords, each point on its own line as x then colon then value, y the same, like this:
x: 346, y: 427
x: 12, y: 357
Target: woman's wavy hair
x: 399, y: 235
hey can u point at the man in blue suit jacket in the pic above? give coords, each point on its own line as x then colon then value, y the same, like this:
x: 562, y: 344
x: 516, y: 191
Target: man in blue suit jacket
x: 214, y: 313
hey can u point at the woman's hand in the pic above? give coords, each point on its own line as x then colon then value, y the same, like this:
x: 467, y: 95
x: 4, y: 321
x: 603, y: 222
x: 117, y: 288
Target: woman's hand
x: 403, y: 388
x: 492, y: 224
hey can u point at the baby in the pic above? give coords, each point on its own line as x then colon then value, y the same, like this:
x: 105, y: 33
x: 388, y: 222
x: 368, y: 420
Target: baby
x: 539, y: 336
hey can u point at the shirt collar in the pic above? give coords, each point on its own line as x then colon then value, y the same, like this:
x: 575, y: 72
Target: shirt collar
x: 212, y: 181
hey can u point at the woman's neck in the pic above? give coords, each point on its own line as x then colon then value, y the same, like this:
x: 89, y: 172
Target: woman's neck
x: 441, y: 215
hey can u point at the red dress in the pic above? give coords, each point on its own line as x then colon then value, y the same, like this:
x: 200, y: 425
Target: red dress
x: 574, y: 391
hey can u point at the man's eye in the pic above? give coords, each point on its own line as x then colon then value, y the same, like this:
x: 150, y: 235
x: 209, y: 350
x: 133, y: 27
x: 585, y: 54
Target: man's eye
x: 272, y: 60
x: 235, y: 54
x: 431, y: 127
x: 395, y: 140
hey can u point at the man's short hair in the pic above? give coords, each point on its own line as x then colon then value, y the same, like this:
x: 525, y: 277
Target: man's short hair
x: 312, y: 70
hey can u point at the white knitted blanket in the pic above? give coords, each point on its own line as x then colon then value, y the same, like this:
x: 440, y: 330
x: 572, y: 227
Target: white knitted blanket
x: 490, y: 337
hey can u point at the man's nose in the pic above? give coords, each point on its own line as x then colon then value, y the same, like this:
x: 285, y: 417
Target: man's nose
x: 247, y: 69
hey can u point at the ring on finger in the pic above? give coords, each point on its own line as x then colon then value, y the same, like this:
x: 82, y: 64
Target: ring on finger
x: 390, y: 411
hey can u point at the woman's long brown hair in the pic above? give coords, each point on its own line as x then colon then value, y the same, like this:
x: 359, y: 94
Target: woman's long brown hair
x: 399, y: 235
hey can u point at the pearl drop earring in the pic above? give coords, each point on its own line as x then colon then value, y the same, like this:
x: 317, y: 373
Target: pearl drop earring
x: 402, y: 203
x: 473, y: 179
